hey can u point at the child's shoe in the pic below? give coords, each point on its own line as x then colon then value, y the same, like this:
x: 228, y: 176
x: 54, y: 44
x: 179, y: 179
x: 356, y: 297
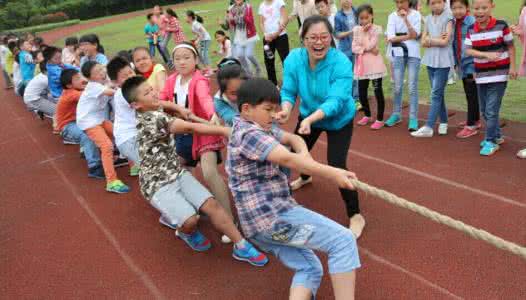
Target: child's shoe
x: 442, y: 129
x: 478, y: 124
x: 120, y: 162
x: 164, y: 221
x: 358, y: 105
x: 134, y: 170
x: 424, y: 132
x: 393, y: 120
x: 250, y: 254
x: 364, y: 121
x: 298, y: 183
x: 467, y: 132
x: 498, y: 141
x: 196, y: 240
x: 96, y: 172
x: 413, y: 125
x: 117, y: 187
x: 522, y: 154
x: 489, y: 149
x: 69, y: 142
x: 377, y: 125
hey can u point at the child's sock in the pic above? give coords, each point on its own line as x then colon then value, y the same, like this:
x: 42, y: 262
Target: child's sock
x: 241, y: 244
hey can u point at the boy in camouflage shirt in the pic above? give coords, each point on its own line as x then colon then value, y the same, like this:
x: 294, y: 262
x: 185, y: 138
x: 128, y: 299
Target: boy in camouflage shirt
x: 166, y: 184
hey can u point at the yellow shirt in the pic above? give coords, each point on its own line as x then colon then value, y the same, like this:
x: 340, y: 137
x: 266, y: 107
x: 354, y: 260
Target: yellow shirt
x: 9, y: 60
x: 152, y: 80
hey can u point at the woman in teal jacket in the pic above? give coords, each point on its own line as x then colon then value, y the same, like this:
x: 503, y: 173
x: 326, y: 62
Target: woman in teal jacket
x: 322, y: 78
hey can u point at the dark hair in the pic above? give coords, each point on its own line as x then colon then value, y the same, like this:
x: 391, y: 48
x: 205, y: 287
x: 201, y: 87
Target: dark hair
x: 189, y: 44
x: 125, y: 54
x: 115, y: 66
x: 42, y: 66
x: 38, y: 40
x: 149, y: 16
x: 49, y: 52
x: 319, y: 1
x: 5, y: 40
x: 87, y: 67
x: 221, y: 32
x: 92, y: 39
x: 171, y: 12
x: 129, y: 88
x: 192, y: 15
x: 12, y: 46
x: 231, y: 71
x: 72, y: 41
x: 256, y: 91
x: 313, y: 20
x: 66, y: 77
x: 413, y: 3
x: 465, y: 2
x: 365, y: 7
x: 34, y: 54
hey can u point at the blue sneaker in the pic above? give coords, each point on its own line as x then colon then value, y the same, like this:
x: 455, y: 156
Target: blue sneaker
x: 196, y: 240
x: 393, y: 120
x: 489, y: 149
x: 250, y: 254
x: 498, y: 141
x: 117, y: 187
x: 413, y: 125
x: 96, y: 172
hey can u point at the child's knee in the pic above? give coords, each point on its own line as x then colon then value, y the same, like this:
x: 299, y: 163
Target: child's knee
x: 211, y: 206
x: 344, y: 256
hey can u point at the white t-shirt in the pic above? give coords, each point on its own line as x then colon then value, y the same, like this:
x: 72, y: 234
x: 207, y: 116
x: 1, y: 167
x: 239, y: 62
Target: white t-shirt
x: 3, y: 55
x: 181, y: 91
x: 272, y: 14
x: 91, y: 110
x: 36, y: 88
x: 395, y: 24
x: 125, y: 123
x: 199, y: 30
x: 17, y: 76
x: 226, y: 51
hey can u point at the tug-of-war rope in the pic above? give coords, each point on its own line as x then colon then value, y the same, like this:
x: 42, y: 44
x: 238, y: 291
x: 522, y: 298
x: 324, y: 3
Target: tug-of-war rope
x: 476, y: 233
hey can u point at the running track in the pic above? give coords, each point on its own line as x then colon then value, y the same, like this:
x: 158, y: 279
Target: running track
x: 63, y: 236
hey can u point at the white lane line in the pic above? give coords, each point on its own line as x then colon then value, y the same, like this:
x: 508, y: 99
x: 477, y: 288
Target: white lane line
x: 437, y: 178
x: 384, y: 261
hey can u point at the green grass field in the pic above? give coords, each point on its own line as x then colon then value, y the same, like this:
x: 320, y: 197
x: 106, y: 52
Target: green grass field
x: 128, y: 34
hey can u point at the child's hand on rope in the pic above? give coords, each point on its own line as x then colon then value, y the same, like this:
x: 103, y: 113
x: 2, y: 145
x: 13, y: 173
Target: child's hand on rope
x: 343, y: 179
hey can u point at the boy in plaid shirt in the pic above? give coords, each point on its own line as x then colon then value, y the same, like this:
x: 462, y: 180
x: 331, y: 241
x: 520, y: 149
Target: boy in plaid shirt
x: 268, y: 214
x: 164, y: 182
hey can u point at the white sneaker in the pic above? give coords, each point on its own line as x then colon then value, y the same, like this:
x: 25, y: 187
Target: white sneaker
x: 451, y: 81
x: 522, y: 154
x: 298, y: 183
x: 225, y: 239
x: 442, y: 129
x: 423, y: 132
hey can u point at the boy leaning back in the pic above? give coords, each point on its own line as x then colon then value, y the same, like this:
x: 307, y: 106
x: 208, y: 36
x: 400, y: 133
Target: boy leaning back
x: 268, y: 214
x: 166, y: 184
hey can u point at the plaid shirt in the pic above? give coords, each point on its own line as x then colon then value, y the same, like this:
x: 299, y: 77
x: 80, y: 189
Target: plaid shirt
x: 261, y: 190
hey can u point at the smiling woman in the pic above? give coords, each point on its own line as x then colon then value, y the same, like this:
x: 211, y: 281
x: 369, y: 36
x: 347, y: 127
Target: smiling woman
x: 329, y: 107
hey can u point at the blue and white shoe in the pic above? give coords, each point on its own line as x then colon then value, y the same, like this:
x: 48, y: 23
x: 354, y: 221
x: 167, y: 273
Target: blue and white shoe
x: 413, y: 125
x: 197, y: 241
x: 498, y: 141
x: 250, y: 254
x: 489, y: 149
x: 393, y: 120
x: 164, y: 221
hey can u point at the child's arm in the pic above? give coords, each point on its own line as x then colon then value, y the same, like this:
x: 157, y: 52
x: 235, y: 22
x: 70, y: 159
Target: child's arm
x: 513, y: 65
x: 178, y: 110
x: 179, y: 126
x: 443, y: 41
x: 108, y: 92
x: 295, y: 142
x: 305, y: 165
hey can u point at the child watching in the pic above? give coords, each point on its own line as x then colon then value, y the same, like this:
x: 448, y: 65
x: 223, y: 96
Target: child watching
x: 229, y: 78
x: 54, y: 67
x: 69, y: 53
x: 152, y: 34
x: 268, y: 214
x: 520, y: 30
x: 369, y: 64
x: 465, y: 67
x: 36, y: 95
x: 27, y: 65
x: 225, y: 46
x: 436, y: 38
x: 125, y: 123
x: 92, y: 49
x: 403, y: 33
x: 4, y: 53
x: 202, y: 37
x: 145, y: 66
x: 166, y: 184
x: 73, y: 84
x: 91, y: 111
x: 493, y: 68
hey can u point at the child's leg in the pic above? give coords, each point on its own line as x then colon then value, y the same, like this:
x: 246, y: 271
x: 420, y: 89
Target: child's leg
x: 152, y: 50
x: 249, y: 53
x: 270, y: 63
x: 99, y: 136
x: 470, y: 89
x: 438, y: 79
x: 130, y: 150
x: 380, y: 99
x: 73, y: 133
x: 203, y: 51
x: 413, y: 69
x: 283, y: 47
x: 495, y: 93
x: 215, y: 181
x: 239, y: 53
x: 46, y: 106
x: 399, y: 64
x: 363, y: 85
x: 309, y: 139
x: 482, y: 91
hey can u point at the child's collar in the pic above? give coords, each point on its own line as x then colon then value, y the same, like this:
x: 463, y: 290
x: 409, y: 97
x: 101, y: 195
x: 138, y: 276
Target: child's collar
x: 492, y: 22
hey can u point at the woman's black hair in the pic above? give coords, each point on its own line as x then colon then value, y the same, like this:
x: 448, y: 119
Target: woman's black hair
x: 365, y: 7
x: 227, y: 72
x: 72, y: 41
x: 87, y: 67
x: 12, y: 46
x: 49, y: 52
x: 313, y: 20
x: 125, y: 54
x: 66, y: 77
x: 149, y: 16
x: 38, y: 40
x: 171, y: 12
x: 192, y: 15
x: 256, y: 91
x: 92, y: 39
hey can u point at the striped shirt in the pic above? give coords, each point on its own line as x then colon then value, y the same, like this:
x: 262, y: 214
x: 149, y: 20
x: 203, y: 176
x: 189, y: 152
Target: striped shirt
x: 496, y: 37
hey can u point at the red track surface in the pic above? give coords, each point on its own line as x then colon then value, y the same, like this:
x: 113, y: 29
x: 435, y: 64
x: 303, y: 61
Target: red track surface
x: 63, y: 236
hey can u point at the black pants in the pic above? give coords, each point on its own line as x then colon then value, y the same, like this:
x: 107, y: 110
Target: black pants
x: 282, y: 45
x: 470, y: 88
x: 338, y: 143
x: 363, y: 86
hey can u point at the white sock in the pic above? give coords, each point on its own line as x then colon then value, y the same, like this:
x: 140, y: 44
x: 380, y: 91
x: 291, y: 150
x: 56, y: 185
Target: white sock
x: 241, y: 244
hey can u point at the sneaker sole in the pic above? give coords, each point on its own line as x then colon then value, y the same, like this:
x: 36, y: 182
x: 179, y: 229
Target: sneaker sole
x: 467, y: 136
x: 248, y: 261
x: 392, y: 125
x: 491, y: 153
x: 69, y: 143
x: 171, y: 226
x: 95, y: 177
x: 117, y: 192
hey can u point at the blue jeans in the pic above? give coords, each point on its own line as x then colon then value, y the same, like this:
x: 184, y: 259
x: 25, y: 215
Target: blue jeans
x: 413, y: 68
x: 152, y: 49
x: 203, y: 52
x: 438, y: 78
x: 490, y: 99
x: 299, y: 231
x: 73, y: 133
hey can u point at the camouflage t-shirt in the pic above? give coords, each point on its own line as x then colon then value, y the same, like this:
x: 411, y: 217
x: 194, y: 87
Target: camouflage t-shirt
x: 158, y: 159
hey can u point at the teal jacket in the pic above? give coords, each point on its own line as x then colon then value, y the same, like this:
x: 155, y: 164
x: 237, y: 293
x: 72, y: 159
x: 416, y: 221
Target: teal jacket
x: 328, y: 87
